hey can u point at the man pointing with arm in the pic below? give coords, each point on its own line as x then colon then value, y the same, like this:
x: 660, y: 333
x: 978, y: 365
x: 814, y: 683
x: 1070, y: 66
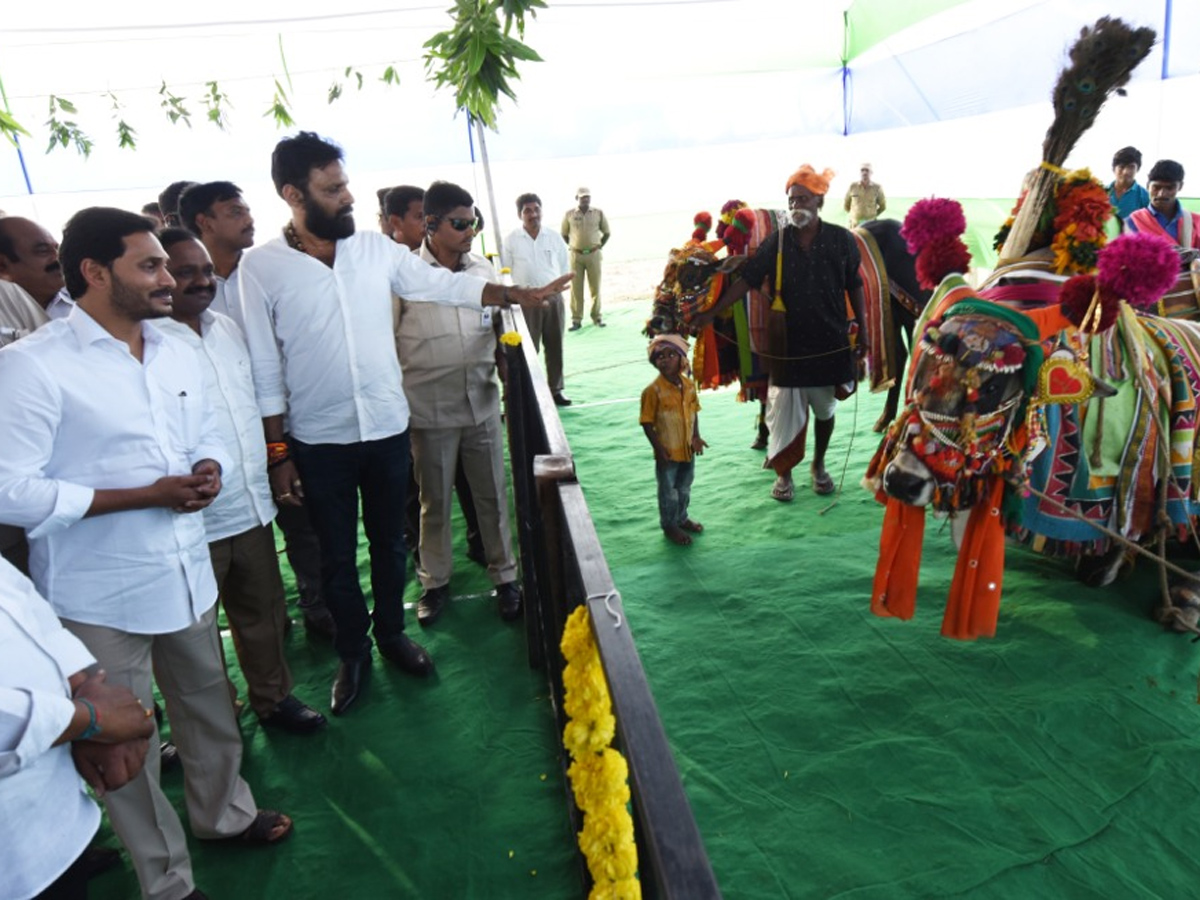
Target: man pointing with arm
x: 317, y: 306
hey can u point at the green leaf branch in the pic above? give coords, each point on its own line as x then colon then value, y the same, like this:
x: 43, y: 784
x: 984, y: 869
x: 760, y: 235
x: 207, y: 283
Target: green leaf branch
x: 478, y: 57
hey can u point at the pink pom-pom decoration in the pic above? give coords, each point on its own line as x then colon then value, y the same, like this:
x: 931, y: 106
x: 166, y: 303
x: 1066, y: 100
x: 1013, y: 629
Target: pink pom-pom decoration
x: 939, y: 258
x: 930, y: 220
x: 1139, y: 268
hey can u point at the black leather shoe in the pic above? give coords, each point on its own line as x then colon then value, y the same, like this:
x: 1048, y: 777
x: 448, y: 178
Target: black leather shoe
x: 292, y: 715
x: 347, y: 683
x: 431, y: 604
x: 197, y: 894
x: 320, y: 625
x: 508, y: 601
x: 600, y: 324
x: 407, y: 655
x: 575, y: 326
x: 562, y: 400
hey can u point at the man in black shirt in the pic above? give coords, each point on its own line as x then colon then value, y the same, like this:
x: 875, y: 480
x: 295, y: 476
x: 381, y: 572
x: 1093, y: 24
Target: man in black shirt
x: 819, y: 272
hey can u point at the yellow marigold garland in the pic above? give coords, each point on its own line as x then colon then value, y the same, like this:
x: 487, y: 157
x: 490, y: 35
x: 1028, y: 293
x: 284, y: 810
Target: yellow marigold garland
x: 599, y: 774
x: 511, y: 338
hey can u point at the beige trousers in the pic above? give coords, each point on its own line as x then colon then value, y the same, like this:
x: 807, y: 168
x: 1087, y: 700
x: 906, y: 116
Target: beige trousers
x: 435, y: 454
x: 247, y: 570
x: 585, y: 264
x: 188, y: 668
x: 546, y: 328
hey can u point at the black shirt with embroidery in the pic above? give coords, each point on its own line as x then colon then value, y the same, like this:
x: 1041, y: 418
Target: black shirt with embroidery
x: 815, y: 282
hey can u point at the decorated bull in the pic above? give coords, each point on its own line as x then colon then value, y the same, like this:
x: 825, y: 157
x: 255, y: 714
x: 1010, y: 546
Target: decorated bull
x: 1070, y: 425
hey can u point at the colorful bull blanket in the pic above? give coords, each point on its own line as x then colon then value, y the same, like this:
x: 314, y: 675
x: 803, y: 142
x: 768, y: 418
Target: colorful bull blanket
x: 1104, y: 461
x: 879, y: 326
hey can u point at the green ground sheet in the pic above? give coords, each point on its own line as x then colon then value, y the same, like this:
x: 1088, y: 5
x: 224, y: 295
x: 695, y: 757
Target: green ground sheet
x: 826, y: 753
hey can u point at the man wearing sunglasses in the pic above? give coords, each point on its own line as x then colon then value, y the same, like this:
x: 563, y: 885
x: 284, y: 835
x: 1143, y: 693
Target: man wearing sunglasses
x: 316, y: 302
x: 448, y: 355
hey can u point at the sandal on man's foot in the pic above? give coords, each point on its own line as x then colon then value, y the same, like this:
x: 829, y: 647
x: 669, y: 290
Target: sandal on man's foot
x: 784, y: 489
x: 676, y: 536
x: 268, y: 827
x: 691, y: 525
x: 822, y: 482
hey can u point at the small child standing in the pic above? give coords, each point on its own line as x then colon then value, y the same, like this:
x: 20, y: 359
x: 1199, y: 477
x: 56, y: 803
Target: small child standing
x: 670, y: 408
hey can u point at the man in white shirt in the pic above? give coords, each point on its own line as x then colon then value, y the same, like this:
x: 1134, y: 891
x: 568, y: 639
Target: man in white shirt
x: 219, y: 215
x: 448, y: 356
x: 29, y: 259
x: 538, y: 255
x: 31, y: 294
x: 238, y: 522
x: 317, y: 309
x: 54, y: 705
x: 109, y: 451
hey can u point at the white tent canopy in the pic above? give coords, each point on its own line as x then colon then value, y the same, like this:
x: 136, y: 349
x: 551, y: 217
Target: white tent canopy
x: 660, y: 107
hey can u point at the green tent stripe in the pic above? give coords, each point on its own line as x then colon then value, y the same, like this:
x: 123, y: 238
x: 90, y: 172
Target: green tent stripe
x: 872, y: 21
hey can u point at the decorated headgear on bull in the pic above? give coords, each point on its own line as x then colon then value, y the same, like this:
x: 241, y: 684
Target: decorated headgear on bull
x: 687, y: 284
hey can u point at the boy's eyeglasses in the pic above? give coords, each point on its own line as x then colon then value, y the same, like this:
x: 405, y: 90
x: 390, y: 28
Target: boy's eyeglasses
x: 463, y: 224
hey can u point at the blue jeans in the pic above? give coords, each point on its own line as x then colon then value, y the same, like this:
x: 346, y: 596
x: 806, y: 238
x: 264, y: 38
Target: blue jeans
x: 334, y: 476
x: 674, y: 492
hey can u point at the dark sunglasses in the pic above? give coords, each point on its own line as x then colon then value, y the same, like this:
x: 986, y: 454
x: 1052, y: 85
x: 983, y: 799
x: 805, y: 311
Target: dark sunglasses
x: 463, y: 224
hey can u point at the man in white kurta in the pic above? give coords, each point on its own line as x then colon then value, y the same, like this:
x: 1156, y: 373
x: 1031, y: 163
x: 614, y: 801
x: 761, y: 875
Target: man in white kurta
x: 110, y: 452
x: 238, y: 522
x: 317, y: 310
x: 218, y: 214
x: 50, y: 698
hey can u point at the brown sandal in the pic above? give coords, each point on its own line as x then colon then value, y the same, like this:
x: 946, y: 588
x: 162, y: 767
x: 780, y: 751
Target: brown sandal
x: 691, y: 525
x: 268, y: 827
x: 675, y: 536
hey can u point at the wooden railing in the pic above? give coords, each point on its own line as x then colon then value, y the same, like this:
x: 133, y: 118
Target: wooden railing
x: 563, y: 566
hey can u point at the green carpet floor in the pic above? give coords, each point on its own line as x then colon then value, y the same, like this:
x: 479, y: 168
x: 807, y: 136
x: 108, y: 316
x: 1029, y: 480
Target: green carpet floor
x: 440, y: 788
x: 829, y: 753
x: 826, y: 753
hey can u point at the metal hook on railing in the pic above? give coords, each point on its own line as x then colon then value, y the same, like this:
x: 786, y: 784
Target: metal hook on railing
x: 608, y: 598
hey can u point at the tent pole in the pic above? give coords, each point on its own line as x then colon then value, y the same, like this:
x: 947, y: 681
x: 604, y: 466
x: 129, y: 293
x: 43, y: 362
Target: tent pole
x: 845, y: 72
x: 1166, y: 41
x: 16, y: 139
x: 487, y: 180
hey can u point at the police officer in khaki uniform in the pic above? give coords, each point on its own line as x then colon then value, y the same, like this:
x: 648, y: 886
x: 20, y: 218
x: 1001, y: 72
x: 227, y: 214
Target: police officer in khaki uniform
x: 585, y: 229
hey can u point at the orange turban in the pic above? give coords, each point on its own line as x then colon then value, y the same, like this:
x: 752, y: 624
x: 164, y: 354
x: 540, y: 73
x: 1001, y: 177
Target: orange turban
x: 807, y: 177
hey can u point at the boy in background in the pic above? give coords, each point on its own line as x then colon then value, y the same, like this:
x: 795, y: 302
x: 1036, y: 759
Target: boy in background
x: 669, y: 416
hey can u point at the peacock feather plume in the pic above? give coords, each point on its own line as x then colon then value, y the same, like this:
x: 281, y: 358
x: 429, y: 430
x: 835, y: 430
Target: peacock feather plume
x: 1101, y: 62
